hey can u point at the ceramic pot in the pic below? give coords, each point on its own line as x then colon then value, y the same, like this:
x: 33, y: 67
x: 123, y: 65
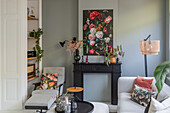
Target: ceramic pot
x: 77, y: 56
x: 112, y: 60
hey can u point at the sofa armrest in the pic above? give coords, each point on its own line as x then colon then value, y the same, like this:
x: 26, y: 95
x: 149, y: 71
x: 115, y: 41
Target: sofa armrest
x: 125, y: 84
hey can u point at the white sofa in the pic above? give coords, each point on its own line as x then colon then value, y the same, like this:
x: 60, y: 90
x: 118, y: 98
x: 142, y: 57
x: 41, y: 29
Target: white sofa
x: 125, y: 105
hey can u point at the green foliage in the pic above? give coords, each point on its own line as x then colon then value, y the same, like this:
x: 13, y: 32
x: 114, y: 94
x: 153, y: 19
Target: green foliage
x: 37, y: 48
x: 114, y: 52
x: 160, y: 74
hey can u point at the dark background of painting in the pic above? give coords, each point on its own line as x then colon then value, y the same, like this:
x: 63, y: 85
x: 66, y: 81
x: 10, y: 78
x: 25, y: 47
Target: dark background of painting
x: 107, y: 12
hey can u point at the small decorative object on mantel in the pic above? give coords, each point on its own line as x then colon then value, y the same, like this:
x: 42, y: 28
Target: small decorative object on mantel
x: 113, y: 53
x: 73, y: 47
x: 87, y: 60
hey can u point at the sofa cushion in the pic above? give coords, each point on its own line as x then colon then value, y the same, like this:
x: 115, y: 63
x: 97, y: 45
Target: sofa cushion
x: 142, y: 95
x: 126, y: 105
x: 49, y: 81
x: 142, y: 82
x: 159, y: 107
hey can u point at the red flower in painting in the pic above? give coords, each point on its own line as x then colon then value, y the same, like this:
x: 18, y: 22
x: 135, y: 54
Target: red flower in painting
x: 91, y: 26
x: 94, y: 15
x: 92, y: 51
x: 105, y: 29
x: 108, y: 19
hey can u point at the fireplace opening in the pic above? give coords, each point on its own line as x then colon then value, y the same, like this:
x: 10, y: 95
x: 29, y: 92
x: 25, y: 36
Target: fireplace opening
x: 97, y: 87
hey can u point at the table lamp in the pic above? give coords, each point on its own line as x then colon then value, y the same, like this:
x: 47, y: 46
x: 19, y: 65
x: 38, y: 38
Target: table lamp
x: 149, y: 48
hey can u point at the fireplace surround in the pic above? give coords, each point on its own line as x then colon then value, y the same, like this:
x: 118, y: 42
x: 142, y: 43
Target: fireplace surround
x: 81, y: 68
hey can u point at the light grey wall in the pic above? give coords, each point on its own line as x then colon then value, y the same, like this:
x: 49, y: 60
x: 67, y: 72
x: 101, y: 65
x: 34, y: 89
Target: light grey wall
x: 136, y: 20
x: 59, y: 24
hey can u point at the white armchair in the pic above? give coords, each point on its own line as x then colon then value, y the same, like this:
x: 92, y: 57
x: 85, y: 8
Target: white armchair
x: 60, y: 82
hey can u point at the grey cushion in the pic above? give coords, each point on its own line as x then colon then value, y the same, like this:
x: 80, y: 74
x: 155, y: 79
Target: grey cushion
x: 38, y: 101
x: 127, y: 105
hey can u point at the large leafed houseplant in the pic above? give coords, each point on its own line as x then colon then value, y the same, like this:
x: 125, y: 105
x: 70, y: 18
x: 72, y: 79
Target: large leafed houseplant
x: 160, y: 73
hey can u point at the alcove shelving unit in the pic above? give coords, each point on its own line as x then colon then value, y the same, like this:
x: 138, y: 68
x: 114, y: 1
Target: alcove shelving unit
x: 33, y: 23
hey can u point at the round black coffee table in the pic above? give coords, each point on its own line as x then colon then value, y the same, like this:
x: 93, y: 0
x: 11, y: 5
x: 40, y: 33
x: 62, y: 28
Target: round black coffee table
x: 84, y: 107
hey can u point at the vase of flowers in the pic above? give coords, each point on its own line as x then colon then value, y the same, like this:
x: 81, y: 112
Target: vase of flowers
x: 77, y: 56
x: 73, y: 47
x: 112, y: 54
x: 60, y: 105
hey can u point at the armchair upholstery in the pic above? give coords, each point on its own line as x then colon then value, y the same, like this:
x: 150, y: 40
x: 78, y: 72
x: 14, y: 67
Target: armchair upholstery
x: 60, y: 82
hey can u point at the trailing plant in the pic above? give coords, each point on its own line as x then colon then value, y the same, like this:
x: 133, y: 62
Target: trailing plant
x: 37, y: 48
x: 160, y: 73
x: 113, y: 52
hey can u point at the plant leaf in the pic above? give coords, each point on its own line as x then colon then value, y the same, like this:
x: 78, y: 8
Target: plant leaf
x: 160, y: 74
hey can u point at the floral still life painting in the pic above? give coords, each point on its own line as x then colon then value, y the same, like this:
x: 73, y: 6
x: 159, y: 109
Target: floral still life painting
x: 97, y: 31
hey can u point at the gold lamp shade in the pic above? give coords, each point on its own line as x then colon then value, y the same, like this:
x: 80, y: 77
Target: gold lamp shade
x: 150, y: 47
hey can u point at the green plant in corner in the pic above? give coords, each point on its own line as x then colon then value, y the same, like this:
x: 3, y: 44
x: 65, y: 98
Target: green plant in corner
x: 160, y: 74
x: 37, y: 48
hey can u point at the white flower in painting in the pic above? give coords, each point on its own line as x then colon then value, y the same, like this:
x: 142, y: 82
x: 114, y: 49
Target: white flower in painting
x: 88, y: 21
x: 107, y: 39
x: 92, y: 42
x: 93, y: 30
x: 99, y: 34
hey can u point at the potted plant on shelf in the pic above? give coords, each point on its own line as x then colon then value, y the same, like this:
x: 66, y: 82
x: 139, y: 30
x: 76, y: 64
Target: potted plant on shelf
x: 37, y: 48
x: 113, y: 53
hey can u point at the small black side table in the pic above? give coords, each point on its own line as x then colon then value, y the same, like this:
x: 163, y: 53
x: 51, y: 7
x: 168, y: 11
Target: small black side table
x: 84, y: 107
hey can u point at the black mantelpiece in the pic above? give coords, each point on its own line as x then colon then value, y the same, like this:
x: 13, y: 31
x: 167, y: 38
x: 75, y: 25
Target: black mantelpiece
x: 114, y: 69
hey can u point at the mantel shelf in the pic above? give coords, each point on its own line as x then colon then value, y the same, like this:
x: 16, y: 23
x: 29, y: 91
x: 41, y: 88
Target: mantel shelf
x: 32, y: 78
x: 32, y: 18
x: 31, y: 58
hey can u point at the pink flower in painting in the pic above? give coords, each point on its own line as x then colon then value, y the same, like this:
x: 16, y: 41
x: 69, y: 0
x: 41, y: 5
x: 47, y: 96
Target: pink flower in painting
x: 99, y: 34
x: 93, y: 30
x: 92, y: 42
x: 108, y: 19
x: 91, y: 26
x: 92, y: 51
x: 105, y: 29
x: 85, y: 27
x: 91, y: 37
x: 110, y: 35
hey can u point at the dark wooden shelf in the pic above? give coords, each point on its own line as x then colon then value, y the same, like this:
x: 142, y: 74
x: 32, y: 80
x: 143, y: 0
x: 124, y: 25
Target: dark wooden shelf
x: 32, y: 78
x: 31, y: 37
x: 32, y: 18
x: 31, y: 58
